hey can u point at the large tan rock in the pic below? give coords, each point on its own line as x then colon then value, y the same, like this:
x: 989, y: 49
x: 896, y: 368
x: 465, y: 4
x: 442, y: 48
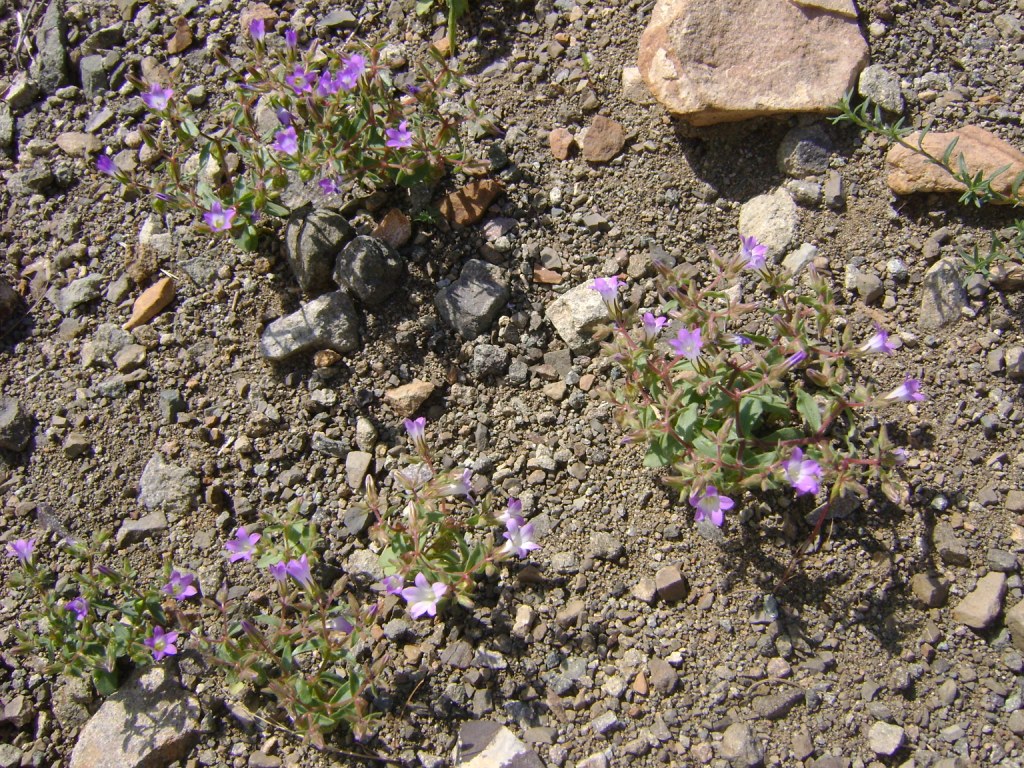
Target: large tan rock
x: 981, y: 150
x: 714, y: 61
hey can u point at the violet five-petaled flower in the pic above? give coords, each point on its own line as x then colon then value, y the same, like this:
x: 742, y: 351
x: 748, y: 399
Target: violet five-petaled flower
x: 653, y: 325
x: 687, y: 343
x: 157, y: 97
x: 519, y: 538
x: 608, y: 287
x: 22, y: 549
x: 180, y: 586
x: 257, y: 29
x: 161, y: 643
x: 711, y: 505
x: 326, y: 85
x: 400, y: 137
x: 878, y: 343
x: 907, y: 392
x: 299, y: 570
x: 286, y: 141
x: 328, y: 186
x: 300, y: 80
x: 219, y: 218
x: 243, y: 546
x: 514, y: 511
x: 79, y: 606
x: 349, y: 75
x: 414, y: 428
x: 803, y: 474
x: 753, y: 251
x: 279, y: 571
x: 105, y: 164
x: 424, y: 596
x: 393, y: 584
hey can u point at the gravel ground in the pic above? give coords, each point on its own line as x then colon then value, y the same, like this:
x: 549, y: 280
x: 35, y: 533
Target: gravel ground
x: 633, y: 637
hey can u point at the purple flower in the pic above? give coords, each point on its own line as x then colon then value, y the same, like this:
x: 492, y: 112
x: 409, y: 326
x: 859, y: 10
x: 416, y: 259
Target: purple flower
x: 711, y: 506
x: 257, y: 29
x: 328, y: 186
x: 653, y: 325
x: 79, y: 606
x: 22, y: 549
x: 157, y: 97
x: 243, y: 546
x: 878, y: 343
x: 753, y: 252
x: 180, y: 587
x: 162, y: 196
x: 519, y: 539
x: 300, y: 80
x: 161, y: 643
x: 461, y: 487
x: 608, y: 287
x: 299, y: 570
x: 279, y: 571
x: 219, y: 218
x: 326, y: 85
x: 348, y: 77
x: 341, y: 624
x: 514, y: 511
x: 414, y: 428
x: 393, y: 584
x: 291, y: 38
x: 424, y: 597
x: 400, y: 137
x: 900, y: 456
x: 286, y: 141
x: 105, y: 164
x: 739, y: 340
x: 907, y: 392
x: 796, y: 358
x: 687, y: 343
x: 284, y: 117
x: 803, y: 474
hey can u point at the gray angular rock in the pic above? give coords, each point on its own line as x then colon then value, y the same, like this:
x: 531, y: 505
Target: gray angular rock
x: 470, y: 304
x: 134, y: 531
x: 102, y: 348
x: 93, y: 72
x: 885, y: 739
x: 982, y: 605
x: 488, y: 360
x: 942, y: 295
x: 741, y: 747
x: 776, y: 706
x: 167, y: 486
x: 81, y: 291
x: 882, y: 87
x: 327, y: 322
x: 23, y: 91
x: 150, y: 722
x: 50, y: 66
x: 312, y: 242
x: 15, y: 425
x: 576, y: 314
x: 805, y: 151
x: 1014, y: 619
x: 867, y: 286
x: 6, y: 126
x: 487, y: 744
x: 369, y: 269
x: 772, y: 219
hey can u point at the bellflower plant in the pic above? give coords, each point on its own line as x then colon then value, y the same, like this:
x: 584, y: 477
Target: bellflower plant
x: 755, y: 395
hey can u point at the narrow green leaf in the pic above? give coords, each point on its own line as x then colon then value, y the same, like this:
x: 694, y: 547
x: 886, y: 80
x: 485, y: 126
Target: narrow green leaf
x: 808, y: 408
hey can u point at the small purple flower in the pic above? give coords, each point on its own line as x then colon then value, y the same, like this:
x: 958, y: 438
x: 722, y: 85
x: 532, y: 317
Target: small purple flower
x: 400, y: 137
x: 219, y: 218
x: 393, y: 584
x: 900, y: 456
x: 286, y: 141
x: 161, y: 643
x: 105, y: 164
x: 753, y: 252
x: 711, y: 506
x: 299, y: 570
x: 162, y: 196
x: 326, y: 85
x: 740, y: 340
x: 519, y: 539
x: 291, y: 38
x: 328, y: 186
x: 514, y: 511
x: 687, y: 343
x: 279, y: 571
x: 463, y: 486
x: 608, y: 287
x: 300, y: 80
x: 157, y: 97
x: 243, y: 546
x: 424, y: 597
x: 803, y: 474
x: 79, y: 606
x: 907, y: 392
x: 257, y: 29
x: 180, y: 587
x: 22, y: 549
x: 284, y: 117
x: 653, y: 325
x: 795, y: 359
x: 341, y: 624
x: 878, y: 343
x: 414, y: 428
x: 348, y: 77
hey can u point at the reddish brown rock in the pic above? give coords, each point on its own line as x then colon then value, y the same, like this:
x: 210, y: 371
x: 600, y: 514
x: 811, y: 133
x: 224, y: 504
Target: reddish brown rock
x: 257, y: 11
x: 604, y: 140
x: 981, y: 151
x: 561, y: 143
x: 468, y: 205
x: 182, y: 37
x: 713, y: 61
x: 395, y: 228
x: 546, y: 276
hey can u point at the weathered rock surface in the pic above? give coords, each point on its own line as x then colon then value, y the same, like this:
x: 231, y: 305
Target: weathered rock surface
x: 468, y: 205
x: 576, y: 314
x: 369, y: 269
x: 698, y: 58
x: 327, y: 322
x: 311, y: 243
x: 772, y: 219
x: 486, y: 744
x: 15, y: 425
x: 981, y: 151
x: 982, y: 605
x: 167, y: 486
x: 604, y: 140
x: 942, y: 295
x: 470, y: 304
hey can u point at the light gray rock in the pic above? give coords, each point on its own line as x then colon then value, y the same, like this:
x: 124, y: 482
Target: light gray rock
x: 576, y: 314
x: 50, y: 65
x: 134, y: 531
x: 357, y: 465
x: 10, y: 756
x: 1014, y: 359
x: 772, y: 219
x: 488, y: 360
x: 487, y: 744
x: 741, y: 747
x: 1010, y: 28
x: 93, y: 72
x: 369, y: 269
x: 805, y: 151
x: 79, y: 292
x: 22, y: 92
x: 312, y: 242
x: 885, y: 739
x: 942, y: 295
x: 167, y: 487
x: 150, y: 722
x: 982, y: 605
x: 470, y: 304
x: 6, y: 126
x: 15, y: 425
x: 327, y: 322
x: 882, y: 87
x: 796, y: 261
x: 102, y: 348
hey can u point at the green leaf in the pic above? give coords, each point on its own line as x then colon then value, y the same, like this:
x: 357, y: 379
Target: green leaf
x: 105, y: 681
x: 808, y: 408
x: 750, y: 414
x: 659, y: 455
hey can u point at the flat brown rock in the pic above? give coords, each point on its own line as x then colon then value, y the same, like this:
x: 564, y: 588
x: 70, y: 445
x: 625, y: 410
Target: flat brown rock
x: 981, y: 151
x: 604, y: 140
x: 468, y: 205
x: 561, y: 143
x: 407, y: 398
x: 714, y: 61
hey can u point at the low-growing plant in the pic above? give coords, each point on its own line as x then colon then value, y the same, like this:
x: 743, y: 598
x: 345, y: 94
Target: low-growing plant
x: 311, y: 645
x: 341, y: 119
x: 749, y: 395
x: 456, y: 10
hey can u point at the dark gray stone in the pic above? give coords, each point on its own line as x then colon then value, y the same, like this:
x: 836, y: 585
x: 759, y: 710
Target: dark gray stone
x: 470, y: 304
x: 328, y: 322
x: 311, y: 243
x: 15, y: 425
x: 805, y: 152
x: 369, y: 269
x: 81, y: 291
x: 171, y: 404
x: 777, y: 705
x: 50, y: 66
x: 488, y: 360
x: 94, y: 75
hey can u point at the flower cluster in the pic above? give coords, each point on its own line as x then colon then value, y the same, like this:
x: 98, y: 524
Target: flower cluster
x: 729, y: 409
x: 340, y: 118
